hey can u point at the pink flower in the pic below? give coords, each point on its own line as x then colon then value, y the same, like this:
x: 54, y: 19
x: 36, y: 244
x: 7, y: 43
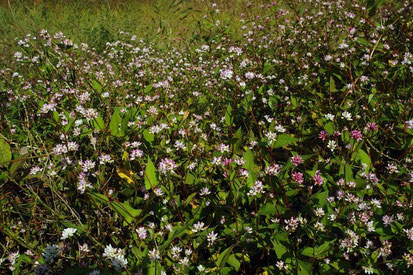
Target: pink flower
x: 356, y: 134
x: 372, y: 126
x: 317, y: 178
x: 322, y: 135
x: 296, y: 160
x: 273, y: 170
x: 166, y: 165
x: 227, y: 162
x: 298, y: 177
x: 387, y: 220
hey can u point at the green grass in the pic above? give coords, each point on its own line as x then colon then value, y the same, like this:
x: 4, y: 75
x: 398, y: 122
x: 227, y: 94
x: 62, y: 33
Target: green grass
x: 164, y: 22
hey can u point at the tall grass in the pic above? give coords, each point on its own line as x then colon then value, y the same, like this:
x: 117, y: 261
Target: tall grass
x: 163, y: 22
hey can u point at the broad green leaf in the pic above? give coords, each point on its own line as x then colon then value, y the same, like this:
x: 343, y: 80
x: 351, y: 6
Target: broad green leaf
x: 308, y: 251
x: 177, y: 232
x: 223, y: 256
x: 5, y: 153
x: 150, y: 175
x: 329, y: 127
x: 324, y: 247
x: 154, y: 268
x: 249, y: 160
x: 238, y: 143
x: 148, y: 88
x: 56, y: 116
x: 98, y: 123
x: 233, y: 261
x: 267, y: 209
x: 332, y: 85
x: 115, y: 124
x: 304, y: 267
x: 279, y: 248
x: 284, y: 140
x: 124, y: 209
x: 190, y: 178
x: 97, y: 86
x: 349, y: 173
x: 229, y: 117
x: 148, y: 136
x: 320, y: 198
x: 364, y: 158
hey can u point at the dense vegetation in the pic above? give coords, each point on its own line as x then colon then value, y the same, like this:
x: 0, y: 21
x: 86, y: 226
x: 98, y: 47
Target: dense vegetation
x: 275, y: 141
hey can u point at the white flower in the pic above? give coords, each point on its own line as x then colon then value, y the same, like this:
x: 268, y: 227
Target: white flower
x: 272, y: 137
x: 281, y: 265
x: 110, y: 252
x: 142, y: 233
x: 409, y: 124
x: 409, y: 233
x: 119, y: 262
x: 319, y: 226
x: 154, y: 254
x: 67, y: 233
x: 332, y: 145
x: 319, y: 212
x: 35, y: 170
x: 199, y: 226
x: 116, y: 256
x: 204, y: 192
x: 329, y: 117
x: 368, y: 269
x: 346, y: 115
x: 280, y: 129
x: 212, y: 237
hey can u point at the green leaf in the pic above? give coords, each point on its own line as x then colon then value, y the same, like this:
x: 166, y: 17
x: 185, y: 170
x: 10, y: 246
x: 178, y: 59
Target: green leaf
x: 304, y: 267
x: 115, y: 124
x: 267, y: 209
x: 98, y: 123
x: 238, y: 143
x: 364, y: 158
x: 349, y: 173
x: 332, y: 85
x: 229, y: 117
x: 189, y: 199
x: 148, y: 88
x: 176, y: 233
x: 124, y: 209
x: 308, y: 251
x: 324, y: 247
x: 329, y: 127
x: 148, y: 136
x: 224, y: 255
x: 56, y: 116
x: 190, y: 178
x: 279, y: 248
x: 150, y: 175
x: 249, y: 160
x: 320, y: 198
x: 284, y: 140
x: 5, y: 153
x: 267, y: 68
x: 154, y: 268
x: 233, y: 261
x: 97, y: 86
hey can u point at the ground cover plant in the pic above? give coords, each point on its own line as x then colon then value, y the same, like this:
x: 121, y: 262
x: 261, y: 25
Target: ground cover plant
x: 285, y: 150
